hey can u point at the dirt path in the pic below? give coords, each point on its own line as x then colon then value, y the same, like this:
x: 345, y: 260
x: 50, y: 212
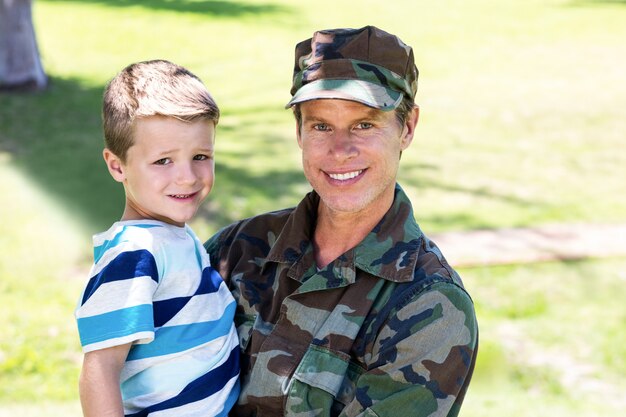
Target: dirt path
x: 546, y: 243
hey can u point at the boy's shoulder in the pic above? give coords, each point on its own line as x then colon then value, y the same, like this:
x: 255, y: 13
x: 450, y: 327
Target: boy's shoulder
x: 125, y: 230
x: 130, y: 235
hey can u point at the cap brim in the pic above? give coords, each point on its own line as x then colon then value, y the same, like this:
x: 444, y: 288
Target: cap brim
x: 370, y: 94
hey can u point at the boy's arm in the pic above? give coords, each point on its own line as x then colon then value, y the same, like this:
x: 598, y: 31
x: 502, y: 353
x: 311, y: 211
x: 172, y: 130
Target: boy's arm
x: 99, y: 383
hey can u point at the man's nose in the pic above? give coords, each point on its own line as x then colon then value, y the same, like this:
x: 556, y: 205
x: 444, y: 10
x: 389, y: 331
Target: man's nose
x: 343, y: 145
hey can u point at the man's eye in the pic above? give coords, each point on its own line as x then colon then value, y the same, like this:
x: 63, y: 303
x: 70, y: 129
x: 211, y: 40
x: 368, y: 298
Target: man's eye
x: 163, y: 161
x: 364, y: 125
x: 322, y: 127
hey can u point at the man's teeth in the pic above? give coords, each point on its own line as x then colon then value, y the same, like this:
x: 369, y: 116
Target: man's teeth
x: 346, y: 175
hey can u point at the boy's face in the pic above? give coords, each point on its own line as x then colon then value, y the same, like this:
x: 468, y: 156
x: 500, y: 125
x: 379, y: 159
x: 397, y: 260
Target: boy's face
x: 169, y: 170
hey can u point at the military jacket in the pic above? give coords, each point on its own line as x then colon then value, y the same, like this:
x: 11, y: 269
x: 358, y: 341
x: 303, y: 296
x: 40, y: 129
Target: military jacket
x: 387, y: 329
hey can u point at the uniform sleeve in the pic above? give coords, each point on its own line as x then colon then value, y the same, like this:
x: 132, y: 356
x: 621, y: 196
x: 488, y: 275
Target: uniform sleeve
x: 116, y: 305
x: 422, y: 359
x: 219, y: 249
x: 212, y: 247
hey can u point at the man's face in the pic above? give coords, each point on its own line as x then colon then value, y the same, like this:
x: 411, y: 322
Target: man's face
x: 351, y: 152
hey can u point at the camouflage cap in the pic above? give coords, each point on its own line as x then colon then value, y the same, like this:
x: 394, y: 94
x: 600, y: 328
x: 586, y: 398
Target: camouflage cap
x: 367, y: 65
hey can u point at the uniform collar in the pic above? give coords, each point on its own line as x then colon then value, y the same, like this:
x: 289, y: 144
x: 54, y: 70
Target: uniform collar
x: 389, y: 251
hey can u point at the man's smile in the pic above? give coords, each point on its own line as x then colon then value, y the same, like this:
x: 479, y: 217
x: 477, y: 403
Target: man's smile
x: 345, y: 175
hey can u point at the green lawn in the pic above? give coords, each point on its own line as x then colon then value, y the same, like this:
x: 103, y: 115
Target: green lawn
x: 521, y: 124
x: 552, y: 339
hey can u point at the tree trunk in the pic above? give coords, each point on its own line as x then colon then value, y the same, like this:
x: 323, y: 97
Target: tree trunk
x: 20, y: 65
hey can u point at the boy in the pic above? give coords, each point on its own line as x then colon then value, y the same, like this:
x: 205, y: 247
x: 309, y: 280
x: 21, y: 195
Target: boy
x: 155, y: 319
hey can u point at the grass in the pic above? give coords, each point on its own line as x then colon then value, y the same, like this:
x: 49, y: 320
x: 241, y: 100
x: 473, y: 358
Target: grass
x: 552, y: 339
x: 41, y: 275
x: 521, y: 124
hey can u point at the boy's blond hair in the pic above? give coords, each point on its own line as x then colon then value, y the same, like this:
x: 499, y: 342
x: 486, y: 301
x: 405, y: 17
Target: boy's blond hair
x: 152, y: 88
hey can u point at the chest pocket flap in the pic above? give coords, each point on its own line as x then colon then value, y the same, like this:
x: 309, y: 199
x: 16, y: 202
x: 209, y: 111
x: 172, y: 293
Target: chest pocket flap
x: 322, y: 369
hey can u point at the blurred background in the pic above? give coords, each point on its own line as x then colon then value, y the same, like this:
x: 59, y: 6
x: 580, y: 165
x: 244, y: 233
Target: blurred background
x: 523, y: 119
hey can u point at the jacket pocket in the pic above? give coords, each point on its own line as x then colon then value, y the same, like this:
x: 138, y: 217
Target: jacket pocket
x: 323, y: 369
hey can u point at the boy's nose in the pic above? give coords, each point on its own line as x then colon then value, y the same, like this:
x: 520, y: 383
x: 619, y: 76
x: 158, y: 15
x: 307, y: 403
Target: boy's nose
x: 185, y: 174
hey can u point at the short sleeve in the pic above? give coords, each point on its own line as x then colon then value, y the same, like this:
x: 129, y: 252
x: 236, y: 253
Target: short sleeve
x: 116, y: 306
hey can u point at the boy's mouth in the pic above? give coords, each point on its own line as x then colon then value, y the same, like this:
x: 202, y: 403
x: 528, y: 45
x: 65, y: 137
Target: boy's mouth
x: 182, y: 196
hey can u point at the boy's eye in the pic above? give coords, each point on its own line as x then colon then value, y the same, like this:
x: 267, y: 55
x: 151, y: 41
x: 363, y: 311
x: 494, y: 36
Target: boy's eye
x: 163, y: 161
x: 201, y: 157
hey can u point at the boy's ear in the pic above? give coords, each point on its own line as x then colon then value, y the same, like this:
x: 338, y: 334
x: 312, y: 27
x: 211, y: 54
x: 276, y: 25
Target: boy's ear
x: 114, y: 164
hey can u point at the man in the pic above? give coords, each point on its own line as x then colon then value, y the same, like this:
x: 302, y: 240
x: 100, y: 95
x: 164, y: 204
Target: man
x: 344, y: 307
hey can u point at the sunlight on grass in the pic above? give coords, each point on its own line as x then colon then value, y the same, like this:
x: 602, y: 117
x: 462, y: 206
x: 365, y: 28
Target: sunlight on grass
x: 44, y: 227
x: 41, y: 256
x: 542, y: 337
x: 52, y: 409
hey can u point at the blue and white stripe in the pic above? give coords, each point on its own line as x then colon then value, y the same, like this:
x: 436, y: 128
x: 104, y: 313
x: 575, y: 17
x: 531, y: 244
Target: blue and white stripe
x: 152, y: 285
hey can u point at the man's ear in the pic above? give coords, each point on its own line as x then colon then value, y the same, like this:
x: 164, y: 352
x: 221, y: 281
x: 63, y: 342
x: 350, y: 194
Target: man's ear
x: 298, y: 134
x: 409, y: 127
x: 114, y: 165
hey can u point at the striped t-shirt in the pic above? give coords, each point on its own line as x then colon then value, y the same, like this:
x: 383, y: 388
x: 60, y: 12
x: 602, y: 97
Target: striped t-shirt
x: 152, y: 285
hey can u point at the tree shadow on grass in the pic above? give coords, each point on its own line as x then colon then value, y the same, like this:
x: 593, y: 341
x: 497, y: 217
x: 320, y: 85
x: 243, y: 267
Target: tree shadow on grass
x: 425, y: 177
x: 236, y: 192
x: 55, y: 139
x: 216, y: 8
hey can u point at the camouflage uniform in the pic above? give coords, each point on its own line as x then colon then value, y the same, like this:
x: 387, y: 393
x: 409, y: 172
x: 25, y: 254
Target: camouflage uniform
x: 387, y: 329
